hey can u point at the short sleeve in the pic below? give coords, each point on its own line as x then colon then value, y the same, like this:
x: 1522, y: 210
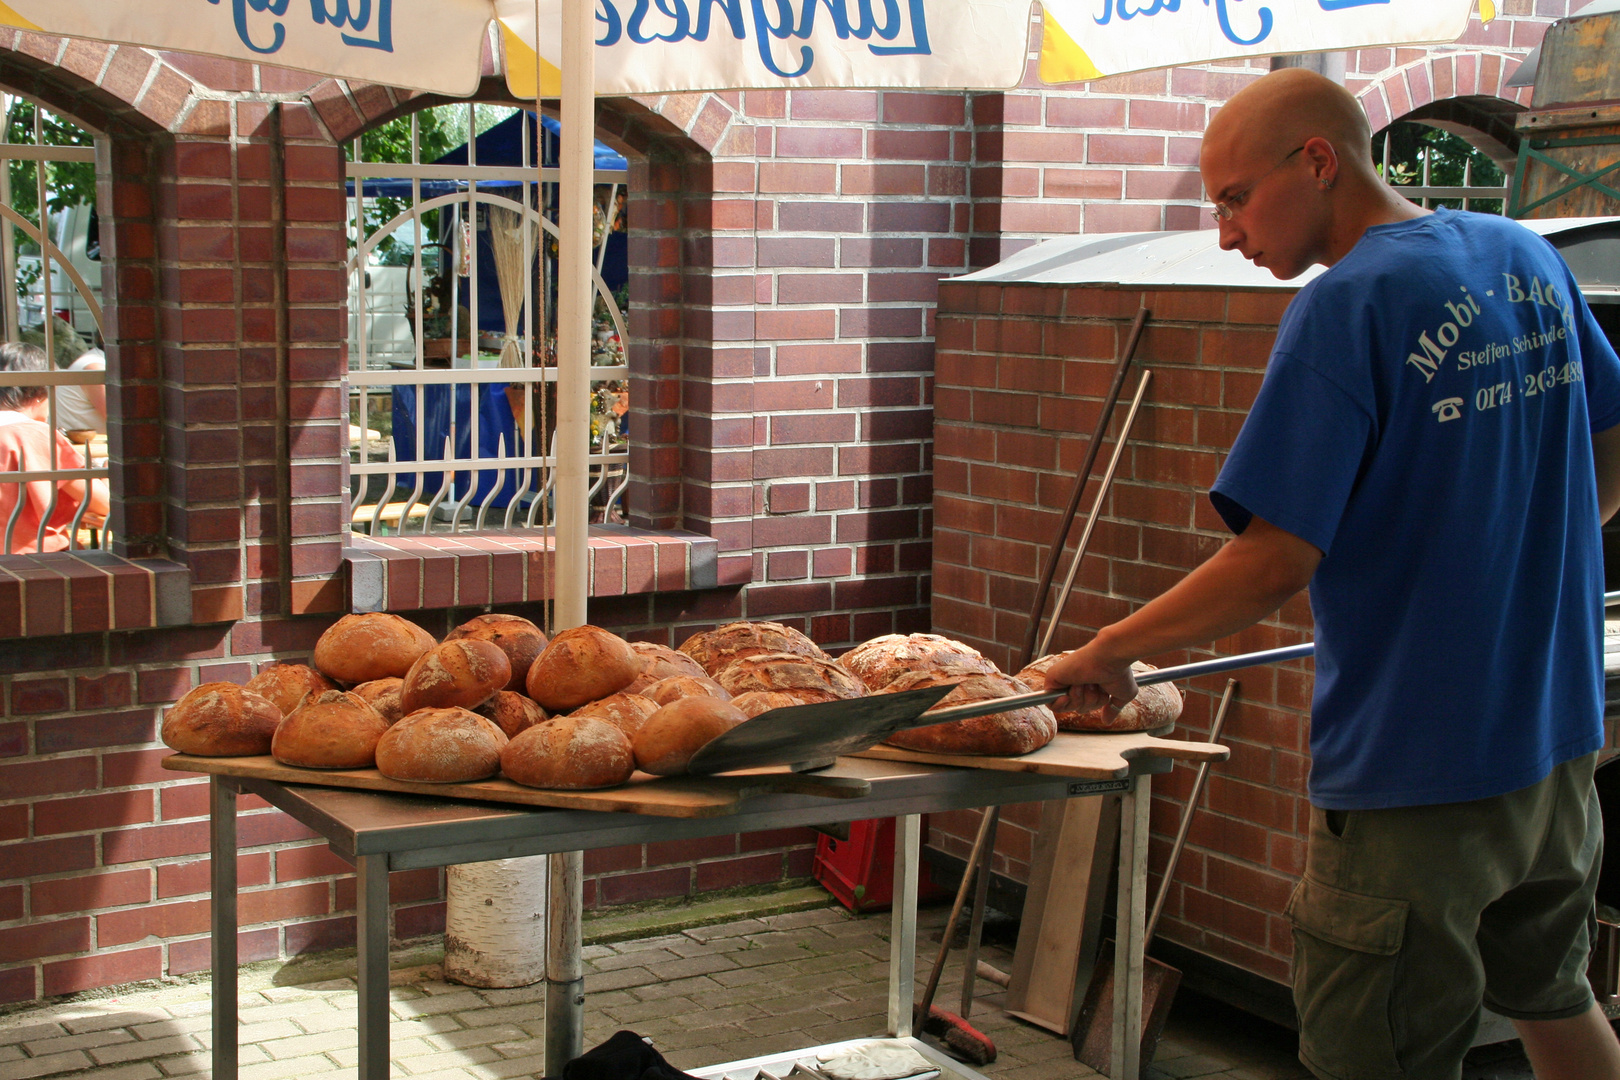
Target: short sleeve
x: 1297, y: 457
x: 1600, y: 371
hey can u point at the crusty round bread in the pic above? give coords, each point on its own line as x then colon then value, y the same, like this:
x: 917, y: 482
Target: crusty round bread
x: 441, y: 746
x: 668, y: 689
x: 877, y: 662
x: 1004, y: 734
x: 808, y: 678
x: 626, y: 710
x: 760, y: 701
x: 286, y: 684
x: 584, y: 663
x: 1154, y: 706
x: 465, y: 673
x: 661, y: 661
x: 669, y: 738
x: 221, y: 719
x: 383, y: 695
x: 334, y: 731
x: 570, y: 752
x: 514, y: 635
x: 512, y: 712
x: 373, y: 645
x: 717, y: 648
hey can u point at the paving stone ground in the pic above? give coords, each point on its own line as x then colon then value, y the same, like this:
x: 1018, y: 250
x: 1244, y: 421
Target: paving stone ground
x: 704, y: 996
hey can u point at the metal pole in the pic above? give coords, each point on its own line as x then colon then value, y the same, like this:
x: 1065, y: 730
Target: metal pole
x: 1125, y: 1061
x: 565, y: 968
x: 371, y: 934
x: 222, y: 920
x: 903, y: 925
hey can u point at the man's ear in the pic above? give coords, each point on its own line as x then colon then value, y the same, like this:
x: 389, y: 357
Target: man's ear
x: 1323, y: 159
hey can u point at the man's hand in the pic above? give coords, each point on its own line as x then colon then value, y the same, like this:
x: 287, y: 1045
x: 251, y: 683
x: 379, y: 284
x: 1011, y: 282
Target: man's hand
x: 1093, y: 680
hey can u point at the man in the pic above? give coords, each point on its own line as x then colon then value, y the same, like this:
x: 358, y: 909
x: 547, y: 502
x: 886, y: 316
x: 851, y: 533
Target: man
x: 26, y: 438
x: 1433, y: 450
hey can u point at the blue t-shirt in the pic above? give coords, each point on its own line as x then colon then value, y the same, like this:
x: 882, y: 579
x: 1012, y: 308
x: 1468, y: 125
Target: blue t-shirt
x: 1426, y: 421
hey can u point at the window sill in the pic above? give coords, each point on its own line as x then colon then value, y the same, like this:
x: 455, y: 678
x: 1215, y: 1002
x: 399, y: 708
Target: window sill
x: 415, y: 573
x: 86, y: 592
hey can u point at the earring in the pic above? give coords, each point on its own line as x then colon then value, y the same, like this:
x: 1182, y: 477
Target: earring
x: 1327, y: 185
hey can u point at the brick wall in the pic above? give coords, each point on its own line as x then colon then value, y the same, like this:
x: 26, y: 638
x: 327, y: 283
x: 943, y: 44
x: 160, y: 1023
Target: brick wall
x: 1021, y: 374
x: 786, y: 248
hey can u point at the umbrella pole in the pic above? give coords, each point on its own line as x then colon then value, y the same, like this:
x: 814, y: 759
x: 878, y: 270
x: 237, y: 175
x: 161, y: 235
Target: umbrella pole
x: 565, y: 981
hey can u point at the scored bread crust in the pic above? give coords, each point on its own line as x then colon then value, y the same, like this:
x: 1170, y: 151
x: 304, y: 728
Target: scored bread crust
x: 221, y: 719
x: 668, y: 689
x: 582, y: 663
x: 1153, y: 707
x: 512, y: 712
x: 337, y: 730
x: 879, y: 661
x: 808, y: 678
x: 441, y: 746
x: 383, y: 695
x: 286, y: 684
x: 625, y: 710
x: 521, y: 640
x: 463, y: 673
x: 572, y: 753
x: 755, y: 702
x: 716, y: 649
x: 1003, y: 734
x: 371, y: 645
x: 669, y: 738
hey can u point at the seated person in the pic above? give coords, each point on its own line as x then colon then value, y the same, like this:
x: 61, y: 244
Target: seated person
x: 83, y: 408
x: 25, y: 446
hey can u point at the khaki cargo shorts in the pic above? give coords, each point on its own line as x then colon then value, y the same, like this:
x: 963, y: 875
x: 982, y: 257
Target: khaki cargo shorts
x: 1408, y: 918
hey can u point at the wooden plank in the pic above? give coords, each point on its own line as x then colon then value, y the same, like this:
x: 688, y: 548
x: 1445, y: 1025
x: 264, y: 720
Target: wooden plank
x: 1061, y: 924
x: 1092, y: 756
x: 660, y: 796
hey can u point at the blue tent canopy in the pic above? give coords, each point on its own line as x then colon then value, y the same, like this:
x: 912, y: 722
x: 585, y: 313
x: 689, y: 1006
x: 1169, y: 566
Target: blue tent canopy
x: 500, y: 145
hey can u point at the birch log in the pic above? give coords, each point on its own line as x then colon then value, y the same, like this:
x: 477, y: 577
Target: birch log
x: 495, y: 927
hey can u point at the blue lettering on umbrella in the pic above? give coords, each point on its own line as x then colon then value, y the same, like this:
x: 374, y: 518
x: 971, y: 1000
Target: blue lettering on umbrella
x: 1121, y: 8
x: 680, y: 26
x: 358, y: 19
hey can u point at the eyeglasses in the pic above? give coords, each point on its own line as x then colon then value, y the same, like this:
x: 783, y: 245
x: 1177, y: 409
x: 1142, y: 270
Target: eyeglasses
x: 1223, y: 211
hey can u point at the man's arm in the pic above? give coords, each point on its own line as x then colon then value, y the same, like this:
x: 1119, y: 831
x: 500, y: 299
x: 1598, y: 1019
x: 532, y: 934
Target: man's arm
x: 1252, y: 576
x: 1606, y: 456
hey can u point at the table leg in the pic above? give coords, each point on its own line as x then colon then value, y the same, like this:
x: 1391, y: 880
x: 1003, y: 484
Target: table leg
x: 903, y: 926
x: 371, y: 874
x: 222, y: 923
x: 565, y: 966
x: 1131, y: 910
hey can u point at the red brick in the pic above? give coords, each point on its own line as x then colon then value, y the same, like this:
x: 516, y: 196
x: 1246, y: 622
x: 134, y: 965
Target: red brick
x: 38, y: 939
x: 103, y: 969
x: 90, y: 891
x: 53, y: 777
x: 650, y: 885
x: 152, y: 920
x: 91, y: 813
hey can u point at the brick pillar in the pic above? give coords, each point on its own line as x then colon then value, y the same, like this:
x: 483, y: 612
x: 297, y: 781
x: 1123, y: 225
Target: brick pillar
x: 129, y: 261
x: 653, y: 216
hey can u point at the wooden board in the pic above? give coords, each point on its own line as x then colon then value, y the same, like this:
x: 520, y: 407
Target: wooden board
x: 659, y: 796
x: 1092, y: 756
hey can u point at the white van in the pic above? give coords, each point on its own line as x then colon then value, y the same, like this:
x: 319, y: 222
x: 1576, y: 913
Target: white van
x: 76, y: 231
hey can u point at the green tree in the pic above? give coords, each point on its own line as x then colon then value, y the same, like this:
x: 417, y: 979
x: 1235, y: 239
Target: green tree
x: 1451, y: 160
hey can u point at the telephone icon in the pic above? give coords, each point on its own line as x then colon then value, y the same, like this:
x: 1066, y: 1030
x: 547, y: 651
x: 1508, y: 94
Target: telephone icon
x: 1448, y: 409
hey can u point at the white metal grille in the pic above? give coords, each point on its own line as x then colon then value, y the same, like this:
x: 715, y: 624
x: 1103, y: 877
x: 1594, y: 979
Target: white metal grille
x: 452, y: 377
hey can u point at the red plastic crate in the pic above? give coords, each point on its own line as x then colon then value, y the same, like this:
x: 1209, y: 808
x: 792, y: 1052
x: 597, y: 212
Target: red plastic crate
x: 860, y: 871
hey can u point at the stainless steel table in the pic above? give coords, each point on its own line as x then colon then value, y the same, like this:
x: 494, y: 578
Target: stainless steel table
x: 378, y: 833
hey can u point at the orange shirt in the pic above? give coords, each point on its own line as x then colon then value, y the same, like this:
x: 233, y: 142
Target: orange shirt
x: 25, y: 446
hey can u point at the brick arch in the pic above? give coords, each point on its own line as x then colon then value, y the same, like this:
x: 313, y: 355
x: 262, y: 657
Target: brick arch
x: 111, y: 88
x: 1438, y: 76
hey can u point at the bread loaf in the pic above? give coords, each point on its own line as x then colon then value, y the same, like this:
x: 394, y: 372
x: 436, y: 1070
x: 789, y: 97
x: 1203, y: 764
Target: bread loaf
x: 334, y: 731
x: 383, y: 695
x: 569, y: 752
x: 879, y: 661
x: 514, y: 635
x: 512, y: 712
x: 465, y: 673
x: 808, y: 678
x: 441, y: 746
x: 625, y: 710
x: 375, y: 645
x: 1005, y: 734
x: 669, y: 738
x: 661, y: 661
x: 286, y: 684
x: 717, y: 648
x: 221, y: 719
x: 667, y: 690
x: 755, y: 702
x: 582, y: 664
x: 1153, y: 707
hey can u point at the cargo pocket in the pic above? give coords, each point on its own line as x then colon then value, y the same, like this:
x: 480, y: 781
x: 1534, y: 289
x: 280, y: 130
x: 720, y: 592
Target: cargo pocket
x: 1346, y: 954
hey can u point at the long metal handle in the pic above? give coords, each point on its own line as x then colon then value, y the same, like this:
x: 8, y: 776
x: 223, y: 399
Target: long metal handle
x: 1169, y: 674
x: 1187, y: 817
x: 1096, y: 512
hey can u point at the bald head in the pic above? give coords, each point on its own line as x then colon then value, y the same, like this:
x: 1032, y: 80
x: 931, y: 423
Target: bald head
x: 1271, y: 116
